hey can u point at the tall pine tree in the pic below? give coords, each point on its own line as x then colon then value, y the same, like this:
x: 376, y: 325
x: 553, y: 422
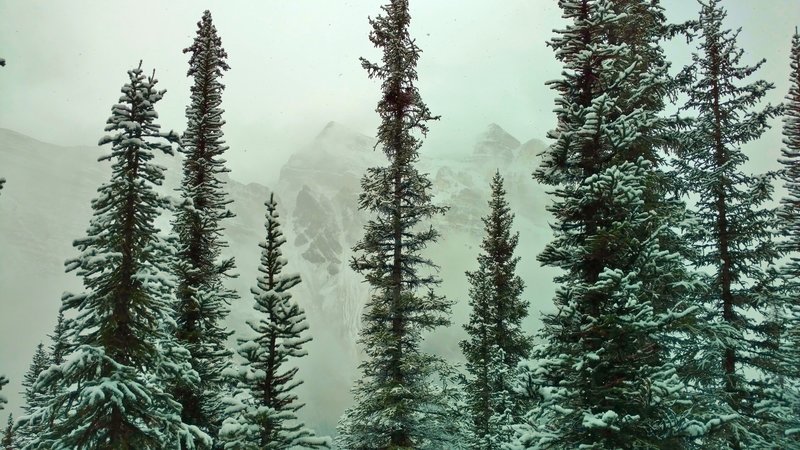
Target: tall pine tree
x: 789, y: 219
x: 495, y: 328
x: 399, y: 404
x: 603, y: 377
x: 263, y: 413
x: 9, y: 441
x: 110, y: 391
x: 202, y: 296
x: 733, y: 233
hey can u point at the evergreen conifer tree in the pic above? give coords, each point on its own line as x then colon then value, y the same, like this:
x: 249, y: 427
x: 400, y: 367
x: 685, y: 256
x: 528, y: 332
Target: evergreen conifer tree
x: 789, y: 219
x: 400, y: 403
x: 110, y: 391
x: 203, y: 299
x: 733, y: 232
x: 604, y: 375
x: 494, y: 328
x: 34, y: 398
x: 9, y: 436
x: 41, y: 361
x: 262, y: 414
x: 58, y: 340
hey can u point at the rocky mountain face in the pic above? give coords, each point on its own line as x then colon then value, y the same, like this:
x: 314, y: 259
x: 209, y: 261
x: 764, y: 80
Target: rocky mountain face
x: 45, y: 206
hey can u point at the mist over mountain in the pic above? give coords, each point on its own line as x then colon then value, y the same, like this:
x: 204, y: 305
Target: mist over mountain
x: 45, y: 205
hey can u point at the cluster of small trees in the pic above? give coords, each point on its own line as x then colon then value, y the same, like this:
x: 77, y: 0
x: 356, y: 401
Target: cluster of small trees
x: 676, y: 322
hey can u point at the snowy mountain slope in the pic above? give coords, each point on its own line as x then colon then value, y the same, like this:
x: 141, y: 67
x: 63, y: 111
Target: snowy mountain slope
x: 45, y: 205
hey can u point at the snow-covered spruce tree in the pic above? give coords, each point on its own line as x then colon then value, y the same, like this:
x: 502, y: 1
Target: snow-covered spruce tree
x: 41, y: 361
x: 9, y: 441
x: 58, y: 340
x: 34, y: 399
x: 37, y: 401
x: 262, y: 414
x: 400, y: 401
x: 604, y: 376
x: 203, y: 298
x: 789, y: 219
x: 733, y: 233
x: 495, y: 328
x: 110, y: 390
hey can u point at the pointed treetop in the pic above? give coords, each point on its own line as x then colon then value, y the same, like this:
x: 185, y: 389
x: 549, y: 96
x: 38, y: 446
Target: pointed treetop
x: 207, y: 39
x: 8, y: 442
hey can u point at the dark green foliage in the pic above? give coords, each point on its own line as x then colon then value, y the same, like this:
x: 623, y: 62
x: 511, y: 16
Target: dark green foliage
x: 41, y: 361
x: 494, y: 328
x: 398, y: 403
x: 733, y: 236
x: 203, y: 299
x: 604, y: 377
x: 35, y: 398
x: 262, y: 415
x: 9, y: 435
x: 110, y: 390
x: 789, y: 220
x: 58, y: 340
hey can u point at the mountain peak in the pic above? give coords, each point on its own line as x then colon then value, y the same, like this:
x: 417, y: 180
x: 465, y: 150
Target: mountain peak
x: 496, y: 142
x: 335, y: 130
x: 495, y: 134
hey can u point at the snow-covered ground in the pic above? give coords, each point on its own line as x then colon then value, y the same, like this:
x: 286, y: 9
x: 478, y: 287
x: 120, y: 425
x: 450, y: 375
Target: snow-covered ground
x: 44, y: 206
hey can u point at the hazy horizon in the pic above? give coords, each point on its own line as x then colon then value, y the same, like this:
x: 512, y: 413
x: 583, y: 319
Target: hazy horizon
x: 295, y: 67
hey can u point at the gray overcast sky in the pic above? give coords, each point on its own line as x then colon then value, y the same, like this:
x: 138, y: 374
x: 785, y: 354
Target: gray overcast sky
x: 294, y: 66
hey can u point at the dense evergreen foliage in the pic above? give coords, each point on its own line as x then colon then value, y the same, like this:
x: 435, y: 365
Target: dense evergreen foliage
x: 733, y: 234
x: 34, y: 397
x: 121, y: 356
x: 603, y: 378
x: 399, y: 403
x: 41, y: 361
x: 202, y: 296
x: 58, y: 340
x: 262, y: 415
x: 789, y: 219
x: 9, y: 441
x: 496, y: 342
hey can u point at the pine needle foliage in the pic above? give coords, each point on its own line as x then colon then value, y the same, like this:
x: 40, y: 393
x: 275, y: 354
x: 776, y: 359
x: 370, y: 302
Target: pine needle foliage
x: 733, y: 234
x: 496, y: 342
x: 111, y: 389
x: 262, y: 414
x: 203, y: 298
x: 604, y: 376
x: 401, y: 401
